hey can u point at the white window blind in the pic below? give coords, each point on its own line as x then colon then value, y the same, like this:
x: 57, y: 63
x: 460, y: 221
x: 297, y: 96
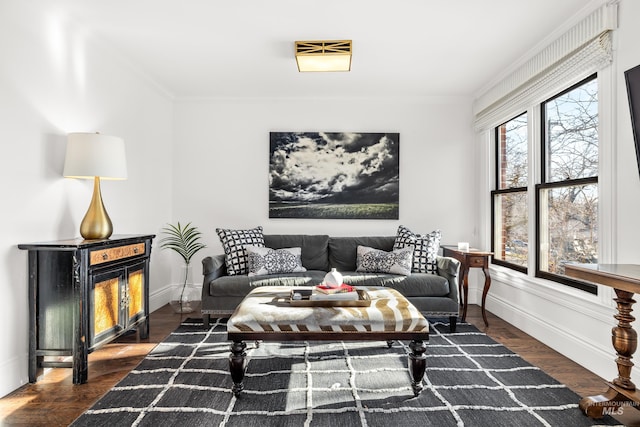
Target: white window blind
x: 578, y: 53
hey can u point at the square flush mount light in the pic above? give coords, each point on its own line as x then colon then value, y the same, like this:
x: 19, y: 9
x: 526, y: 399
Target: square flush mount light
x: 323, y: 55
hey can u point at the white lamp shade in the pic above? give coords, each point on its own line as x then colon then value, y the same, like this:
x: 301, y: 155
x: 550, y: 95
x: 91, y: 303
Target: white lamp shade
x: 92, y: 154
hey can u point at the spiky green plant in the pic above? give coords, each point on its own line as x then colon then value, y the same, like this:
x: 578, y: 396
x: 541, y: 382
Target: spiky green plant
x: 185, y: 241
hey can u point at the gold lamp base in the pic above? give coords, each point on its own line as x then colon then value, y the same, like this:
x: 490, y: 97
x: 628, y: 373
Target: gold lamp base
x: 96, y: 223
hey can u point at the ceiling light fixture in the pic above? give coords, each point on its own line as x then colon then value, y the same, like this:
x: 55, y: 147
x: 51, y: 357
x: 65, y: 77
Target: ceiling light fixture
x: 324, y: 55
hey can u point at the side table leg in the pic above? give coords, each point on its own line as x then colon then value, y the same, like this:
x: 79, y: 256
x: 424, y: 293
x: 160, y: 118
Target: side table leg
x: 625, y: 341
x: 485, y: 291
x: 417, y: 364
x: 237, y: 366
x: 465, y: 291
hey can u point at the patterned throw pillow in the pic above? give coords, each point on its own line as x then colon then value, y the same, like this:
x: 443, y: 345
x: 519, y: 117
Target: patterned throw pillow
x: 425, y: 248
x: 233, y: 243
x: 274, y: 261
x: 370, y: 260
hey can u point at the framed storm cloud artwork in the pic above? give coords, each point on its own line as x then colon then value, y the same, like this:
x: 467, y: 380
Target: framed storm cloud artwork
x: 334, y: 175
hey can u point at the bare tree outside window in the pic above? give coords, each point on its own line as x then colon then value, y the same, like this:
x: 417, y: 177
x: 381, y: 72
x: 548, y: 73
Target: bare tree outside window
x: 568, y: 197
x: 510, y: 219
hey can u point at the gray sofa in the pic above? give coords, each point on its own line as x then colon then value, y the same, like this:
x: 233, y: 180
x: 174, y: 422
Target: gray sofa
x: 435, y: 295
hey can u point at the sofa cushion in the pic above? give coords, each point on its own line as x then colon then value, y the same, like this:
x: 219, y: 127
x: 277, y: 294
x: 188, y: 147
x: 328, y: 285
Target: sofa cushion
x: 233, y: 243
x: 343, y: 250
x: 315, y: 248
x: 273, y: 261
x: 425, y: 248
x: 372, y: 260
x: 415, y: 285
x: 241, y: 285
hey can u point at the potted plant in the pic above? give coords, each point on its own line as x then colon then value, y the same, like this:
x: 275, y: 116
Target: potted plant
x: 185, y: 241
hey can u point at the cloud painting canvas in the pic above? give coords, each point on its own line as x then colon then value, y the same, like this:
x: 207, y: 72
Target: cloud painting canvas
x: 334, y: 175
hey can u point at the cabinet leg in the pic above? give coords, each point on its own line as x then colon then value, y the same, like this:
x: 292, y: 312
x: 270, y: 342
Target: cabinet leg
x: 34, y: 362
x: 143, y: 329
x: 80, y: 368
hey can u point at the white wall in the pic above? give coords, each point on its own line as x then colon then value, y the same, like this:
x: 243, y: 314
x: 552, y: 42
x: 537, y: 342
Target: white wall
x: 206, y: 161
x: 222, y: 155
x: 575, y: 323
x: 55, y: 79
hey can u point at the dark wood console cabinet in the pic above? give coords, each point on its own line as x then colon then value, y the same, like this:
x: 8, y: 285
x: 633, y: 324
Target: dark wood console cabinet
x: 83, y: 294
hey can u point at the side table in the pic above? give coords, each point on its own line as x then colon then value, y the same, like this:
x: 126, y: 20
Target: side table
x: 625, y: 281
x: 473, y: 258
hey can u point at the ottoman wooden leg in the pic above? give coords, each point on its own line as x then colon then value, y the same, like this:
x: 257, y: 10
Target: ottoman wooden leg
x: 417, y: 364
x: 237, y: 366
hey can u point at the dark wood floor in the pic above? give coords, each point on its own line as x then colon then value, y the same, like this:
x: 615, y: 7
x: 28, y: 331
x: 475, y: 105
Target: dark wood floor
x: 55, y: 401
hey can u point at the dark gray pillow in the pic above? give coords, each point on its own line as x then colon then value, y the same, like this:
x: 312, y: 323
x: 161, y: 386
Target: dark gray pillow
x: 315, y: 248
x: 342, y: 250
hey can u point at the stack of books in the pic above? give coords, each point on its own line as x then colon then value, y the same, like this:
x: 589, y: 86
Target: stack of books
x: 339, y: 293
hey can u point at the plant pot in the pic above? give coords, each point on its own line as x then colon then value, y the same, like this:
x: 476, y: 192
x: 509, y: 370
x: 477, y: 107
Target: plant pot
x: 185, y: 298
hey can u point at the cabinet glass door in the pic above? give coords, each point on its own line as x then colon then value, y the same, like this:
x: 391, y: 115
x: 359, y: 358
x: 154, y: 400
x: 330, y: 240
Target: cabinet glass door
x: 106, y: 298
x: 135, y: 292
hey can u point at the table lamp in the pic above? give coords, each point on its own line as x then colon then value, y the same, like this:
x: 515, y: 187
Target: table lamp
x: 95, y: 156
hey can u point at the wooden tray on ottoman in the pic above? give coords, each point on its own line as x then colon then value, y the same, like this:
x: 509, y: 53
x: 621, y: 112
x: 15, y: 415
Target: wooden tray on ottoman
x: 362, y: 301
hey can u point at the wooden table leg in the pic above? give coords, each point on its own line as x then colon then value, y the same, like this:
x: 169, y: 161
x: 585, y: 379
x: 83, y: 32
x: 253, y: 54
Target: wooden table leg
x: 485, y: 291
x: 465, y: 291
x: 417, y: 364
x: 237, y: 366
x: 622, y: 391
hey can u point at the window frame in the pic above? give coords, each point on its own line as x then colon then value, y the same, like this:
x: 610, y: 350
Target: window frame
x: 501, y: 191
x: 538, y: 144
x: 544, y: 185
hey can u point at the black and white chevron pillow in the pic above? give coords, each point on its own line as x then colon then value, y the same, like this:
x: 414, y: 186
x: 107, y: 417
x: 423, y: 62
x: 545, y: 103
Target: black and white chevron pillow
x: 425, y: 248
x: 234, y: 243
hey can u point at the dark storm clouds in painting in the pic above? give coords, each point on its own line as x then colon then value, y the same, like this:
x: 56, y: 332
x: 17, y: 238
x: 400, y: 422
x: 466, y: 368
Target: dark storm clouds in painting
x: 334, y: 175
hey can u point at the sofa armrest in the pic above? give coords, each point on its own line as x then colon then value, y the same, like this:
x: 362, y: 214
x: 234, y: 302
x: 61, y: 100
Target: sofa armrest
x: 214, y: 265
x: 212, y: 268
x: 449, y: 268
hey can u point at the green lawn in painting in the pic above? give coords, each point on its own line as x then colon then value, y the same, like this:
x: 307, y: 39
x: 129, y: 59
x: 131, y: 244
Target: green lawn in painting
x: 334, y: 211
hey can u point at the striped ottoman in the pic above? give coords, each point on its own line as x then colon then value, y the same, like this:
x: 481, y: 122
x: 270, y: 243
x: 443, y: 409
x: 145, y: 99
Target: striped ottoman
x: 267, y: 314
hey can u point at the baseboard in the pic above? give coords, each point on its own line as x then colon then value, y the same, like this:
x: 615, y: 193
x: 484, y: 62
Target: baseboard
x: 159, y: 298
x: 14, y: 374
x: 597, y: 358
x: 162, y: 296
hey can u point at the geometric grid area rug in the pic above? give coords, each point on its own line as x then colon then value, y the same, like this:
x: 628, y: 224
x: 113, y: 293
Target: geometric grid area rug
x: 470, y: 381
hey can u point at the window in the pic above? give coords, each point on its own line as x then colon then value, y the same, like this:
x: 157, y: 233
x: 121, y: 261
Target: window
x: 510, y: 212
x: 566, y: 198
